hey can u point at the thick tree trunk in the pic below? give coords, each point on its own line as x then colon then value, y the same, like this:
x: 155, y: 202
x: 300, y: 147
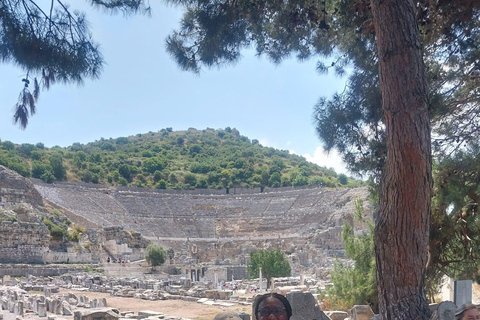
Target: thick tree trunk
x: 401, y: 232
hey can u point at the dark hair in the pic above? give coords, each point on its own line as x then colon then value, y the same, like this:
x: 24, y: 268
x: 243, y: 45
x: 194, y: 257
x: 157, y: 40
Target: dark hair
x: 259, y: 299
x: 459, y: 313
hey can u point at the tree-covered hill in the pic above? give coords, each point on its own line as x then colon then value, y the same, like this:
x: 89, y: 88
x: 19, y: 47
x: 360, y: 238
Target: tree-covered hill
x: 170, y: 160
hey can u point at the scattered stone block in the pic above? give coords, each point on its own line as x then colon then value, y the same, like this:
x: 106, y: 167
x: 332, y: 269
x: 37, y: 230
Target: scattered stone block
x: 66, y: 309
x: 336, y: 315
x: 444, y: 311
x: 102, y: 303
x: 147, y: 314
x: 304, y: 306
x: 18, y: 308
x: 361, y: 312
x: 41, y: 309
x: 97, y: 314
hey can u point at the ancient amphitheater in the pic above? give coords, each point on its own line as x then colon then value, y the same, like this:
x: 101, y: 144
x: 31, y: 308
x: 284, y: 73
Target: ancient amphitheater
x: 208, y: 226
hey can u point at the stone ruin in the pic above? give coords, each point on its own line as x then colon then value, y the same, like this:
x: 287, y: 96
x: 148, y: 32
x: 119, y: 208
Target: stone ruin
x: 209, y: 236
x: 15, y: 298
x: 215, y: 229
x: 39, y: 296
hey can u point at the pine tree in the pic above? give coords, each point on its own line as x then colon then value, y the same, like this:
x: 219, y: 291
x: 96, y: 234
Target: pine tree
x: 52, y: 44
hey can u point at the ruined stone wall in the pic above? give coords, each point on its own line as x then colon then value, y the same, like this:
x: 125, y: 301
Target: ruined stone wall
x: 23, y: 242
x: 24, y: 270
x: 213, y: 227
x: 15, y: 189
x: 231, y: 191
x: 128, y: 245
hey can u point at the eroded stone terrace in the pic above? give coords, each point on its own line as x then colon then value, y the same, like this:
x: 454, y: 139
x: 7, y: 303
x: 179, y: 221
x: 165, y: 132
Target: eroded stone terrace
x: 204, y: 216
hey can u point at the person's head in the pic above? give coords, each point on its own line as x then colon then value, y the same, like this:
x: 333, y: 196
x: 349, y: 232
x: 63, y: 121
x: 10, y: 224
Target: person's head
x: 467, y: 311
x: 272, y: 306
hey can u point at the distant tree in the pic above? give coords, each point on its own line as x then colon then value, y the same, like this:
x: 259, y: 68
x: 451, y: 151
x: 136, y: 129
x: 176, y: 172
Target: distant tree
x: 8, y: 145
x: 42, y: 170
x: 202, y: 183
x: 87, y: 176
x: 226, y: 178
x: 154, y: 164
x: 121, y: 140
x: 239, y: 163
x: 161, y: 184
x: 173, y: 178
x: 255, y: 180
x: 124, y: 171
x: 26, y: 149
x: 277, y: 165
x: 79, y: 158
x: 96, y: 157
x: 37, y: 155
x: 195, y: 149
x: 14, y: 162
x: 300, y: 180
x: 122, y: 181
x: 315, y: 181
x: 156, y: 255
x: 157, y: 175
x: 56, y: 161
x: 342, y: 178
x: 355, y: 284
x: 286, y: 181
x: 273, y: 264
x: 275, y: 180
x: 190, y: 179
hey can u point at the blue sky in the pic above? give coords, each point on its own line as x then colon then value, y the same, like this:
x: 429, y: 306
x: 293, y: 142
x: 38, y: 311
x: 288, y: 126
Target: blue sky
x: 142, y: 89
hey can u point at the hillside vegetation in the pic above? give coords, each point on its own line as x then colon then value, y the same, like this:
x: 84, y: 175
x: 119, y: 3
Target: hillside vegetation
x: 170, y: 160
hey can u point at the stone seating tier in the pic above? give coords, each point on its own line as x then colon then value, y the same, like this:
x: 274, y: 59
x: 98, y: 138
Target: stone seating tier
x: 203, y: 216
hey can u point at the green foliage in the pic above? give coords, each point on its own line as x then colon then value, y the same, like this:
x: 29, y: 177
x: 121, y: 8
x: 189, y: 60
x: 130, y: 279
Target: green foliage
x: 76, y: 233
x: 355, y: 284
x: 156, y: 255
x: 190, y: 179
x: 300, y: 180
x: 8, y: 145
x: 154, y: 164
x: 161, y: 184
x: 204, y: 160
x: 42, y: 170
x: 61, y: 40
x: 455, y: 224
x: 56, y: 212
x: 56, y: 162
x: 57, y: 231
x: 15, y: 162
x: 273, y: 264
x: 342, y: 178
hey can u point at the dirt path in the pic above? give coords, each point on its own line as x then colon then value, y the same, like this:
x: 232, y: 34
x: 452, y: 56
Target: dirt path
x: 177, y: 308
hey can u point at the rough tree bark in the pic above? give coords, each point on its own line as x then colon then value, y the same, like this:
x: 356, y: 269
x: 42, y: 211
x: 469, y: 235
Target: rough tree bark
x: 401, y: 232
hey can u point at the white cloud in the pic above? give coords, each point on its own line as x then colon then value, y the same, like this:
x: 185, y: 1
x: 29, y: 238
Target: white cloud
x: 330, y: 160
